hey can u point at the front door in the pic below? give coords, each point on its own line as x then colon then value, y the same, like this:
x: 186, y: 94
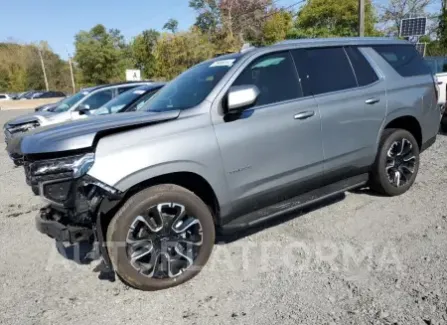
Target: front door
x: 273, y: 151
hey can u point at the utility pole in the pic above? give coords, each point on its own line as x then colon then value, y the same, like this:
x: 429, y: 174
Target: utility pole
x: 361, y: 18
x: 43, y: 68
x: 70, y: 63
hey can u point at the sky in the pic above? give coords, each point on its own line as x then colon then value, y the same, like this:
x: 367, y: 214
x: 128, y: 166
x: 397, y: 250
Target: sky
x: 58, y: 21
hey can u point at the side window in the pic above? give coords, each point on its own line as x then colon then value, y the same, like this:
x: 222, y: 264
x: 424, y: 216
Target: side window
x: 2, y: 96
x: 329, y: 70
x: 275, y: 76
x: 98, y: 99
x: 364, y: 72
x: 124, y: 89
x: 405, y: 59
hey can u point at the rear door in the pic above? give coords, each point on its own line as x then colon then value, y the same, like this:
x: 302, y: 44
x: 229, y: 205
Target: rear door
x: 352, y: 102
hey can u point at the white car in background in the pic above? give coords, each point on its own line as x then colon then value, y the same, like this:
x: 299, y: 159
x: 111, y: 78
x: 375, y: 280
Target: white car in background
x: 439, y: 67
x: 4, y: 97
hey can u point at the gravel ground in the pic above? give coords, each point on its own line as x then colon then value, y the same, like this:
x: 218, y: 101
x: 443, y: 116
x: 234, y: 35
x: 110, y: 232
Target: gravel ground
x: 360, y: 259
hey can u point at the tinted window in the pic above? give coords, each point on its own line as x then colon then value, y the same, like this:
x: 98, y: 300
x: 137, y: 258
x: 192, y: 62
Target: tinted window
x: 405, y: 59
x: 98, y: 99
x: 2, y: 96
x: 69, y: 102
x: 329, y: 70
x: 139, y: 104
x: 275, y: 76
x: 363, y: 70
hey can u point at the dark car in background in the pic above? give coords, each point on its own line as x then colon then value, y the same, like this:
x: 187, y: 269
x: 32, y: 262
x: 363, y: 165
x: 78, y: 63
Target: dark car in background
x: 49, y: 94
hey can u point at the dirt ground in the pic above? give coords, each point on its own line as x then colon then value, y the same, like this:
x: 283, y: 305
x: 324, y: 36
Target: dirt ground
x: 25, y: 104
x: 359, y: 259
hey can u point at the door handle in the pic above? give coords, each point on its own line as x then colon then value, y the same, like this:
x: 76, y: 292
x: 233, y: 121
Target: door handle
x: 372, y: 101
x: 304, y: 115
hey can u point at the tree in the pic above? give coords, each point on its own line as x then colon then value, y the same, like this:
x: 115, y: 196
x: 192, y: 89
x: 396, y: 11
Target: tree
x: 234, y: 21
x: 171, y: 25
x: 277, y: 27
x: 100, y: 54
x: 442, y: 27
x: 176, y: 53
x: 329, y: 18
x: 20, y: 68
x: 395, y: 10
x: 142, y: 49
x: 208, y: 14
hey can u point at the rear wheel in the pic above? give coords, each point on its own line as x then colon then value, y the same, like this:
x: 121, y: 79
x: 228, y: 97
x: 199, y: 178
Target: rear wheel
x: 161, y: 237
x: 397, y: 163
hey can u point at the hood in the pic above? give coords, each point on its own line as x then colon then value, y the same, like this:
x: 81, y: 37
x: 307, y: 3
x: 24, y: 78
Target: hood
x: 28, y: 118
x: 82, y: 134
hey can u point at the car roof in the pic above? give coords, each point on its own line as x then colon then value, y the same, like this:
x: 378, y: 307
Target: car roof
x: 90, y: 89
x: 340, y: 41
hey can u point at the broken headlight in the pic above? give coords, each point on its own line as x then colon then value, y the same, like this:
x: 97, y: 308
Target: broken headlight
x: 23, y: 127
x: 73, y: 166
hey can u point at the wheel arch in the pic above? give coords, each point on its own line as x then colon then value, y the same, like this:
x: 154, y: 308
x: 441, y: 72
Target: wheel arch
x: 408, y: 123
x: 192, y: 181
x: 402, y: 120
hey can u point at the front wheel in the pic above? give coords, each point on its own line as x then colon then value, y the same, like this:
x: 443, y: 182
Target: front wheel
x: 397, y: 163
x: 161, y: 237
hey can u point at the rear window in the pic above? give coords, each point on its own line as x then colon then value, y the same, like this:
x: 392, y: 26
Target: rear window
x: 364, y: 72
x: 405, y: 59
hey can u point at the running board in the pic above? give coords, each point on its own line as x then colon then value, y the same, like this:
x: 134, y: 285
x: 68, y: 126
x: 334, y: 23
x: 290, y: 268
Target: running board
x: 296, y: 203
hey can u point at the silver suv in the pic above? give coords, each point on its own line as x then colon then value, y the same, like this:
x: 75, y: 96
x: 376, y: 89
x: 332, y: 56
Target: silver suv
x: 230, y: 143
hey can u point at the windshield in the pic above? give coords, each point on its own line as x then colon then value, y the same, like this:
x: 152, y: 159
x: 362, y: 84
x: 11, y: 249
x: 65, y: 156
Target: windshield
x: 191, y: 87
x: 119, y: 102
x: 68, y: 102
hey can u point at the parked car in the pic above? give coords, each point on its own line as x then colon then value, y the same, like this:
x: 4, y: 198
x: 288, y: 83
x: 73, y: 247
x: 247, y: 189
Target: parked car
x: 4, y: 97
x: 49, y: 94
x: 439, y: 69
x: 130, y: 101
x: 70, y: 108
x: 230, y: 143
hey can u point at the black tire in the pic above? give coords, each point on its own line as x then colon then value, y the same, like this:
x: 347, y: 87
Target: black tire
x: 119, y: 226
x: 444, y: 125
x: 35, y: 189
x: 379, y: 180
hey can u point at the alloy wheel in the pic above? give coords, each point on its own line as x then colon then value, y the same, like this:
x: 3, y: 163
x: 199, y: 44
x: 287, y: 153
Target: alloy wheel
x: 164, y: 241
x: 401, y: 162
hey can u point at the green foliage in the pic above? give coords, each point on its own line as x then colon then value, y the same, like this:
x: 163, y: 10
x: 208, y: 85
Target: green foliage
x: 442, y: 28
x: 171, y: 25
x: 100, y: 54
x: 277, y: 27
x: 176, y: 53
x: 20, y: 68
x: 334, y: 18
x: 142, y: 51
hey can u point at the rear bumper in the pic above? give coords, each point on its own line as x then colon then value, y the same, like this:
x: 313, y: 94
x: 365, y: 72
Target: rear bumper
x: 59, y: 231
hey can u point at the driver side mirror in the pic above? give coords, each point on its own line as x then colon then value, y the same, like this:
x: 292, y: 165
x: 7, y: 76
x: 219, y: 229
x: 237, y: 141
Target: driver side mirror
x: 241, y: 97
x: 83, y: 109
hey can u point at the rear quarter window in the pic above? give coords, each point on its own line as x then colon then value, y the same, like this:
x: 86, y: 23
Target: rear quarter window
x: 405, y: 59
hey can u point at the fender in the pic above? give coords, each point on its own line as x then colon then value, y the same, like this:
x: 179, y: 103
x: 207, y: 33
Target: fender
x: 402, y: 112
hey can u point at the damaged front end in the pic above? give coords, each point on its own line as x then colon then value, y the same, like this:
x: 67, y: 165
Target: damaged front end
x: 73, y: 198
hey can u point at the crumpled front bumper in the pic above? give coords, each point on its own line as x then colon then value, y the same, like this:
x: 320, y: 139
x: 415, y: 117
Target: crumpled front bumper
x: 47, y: 224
